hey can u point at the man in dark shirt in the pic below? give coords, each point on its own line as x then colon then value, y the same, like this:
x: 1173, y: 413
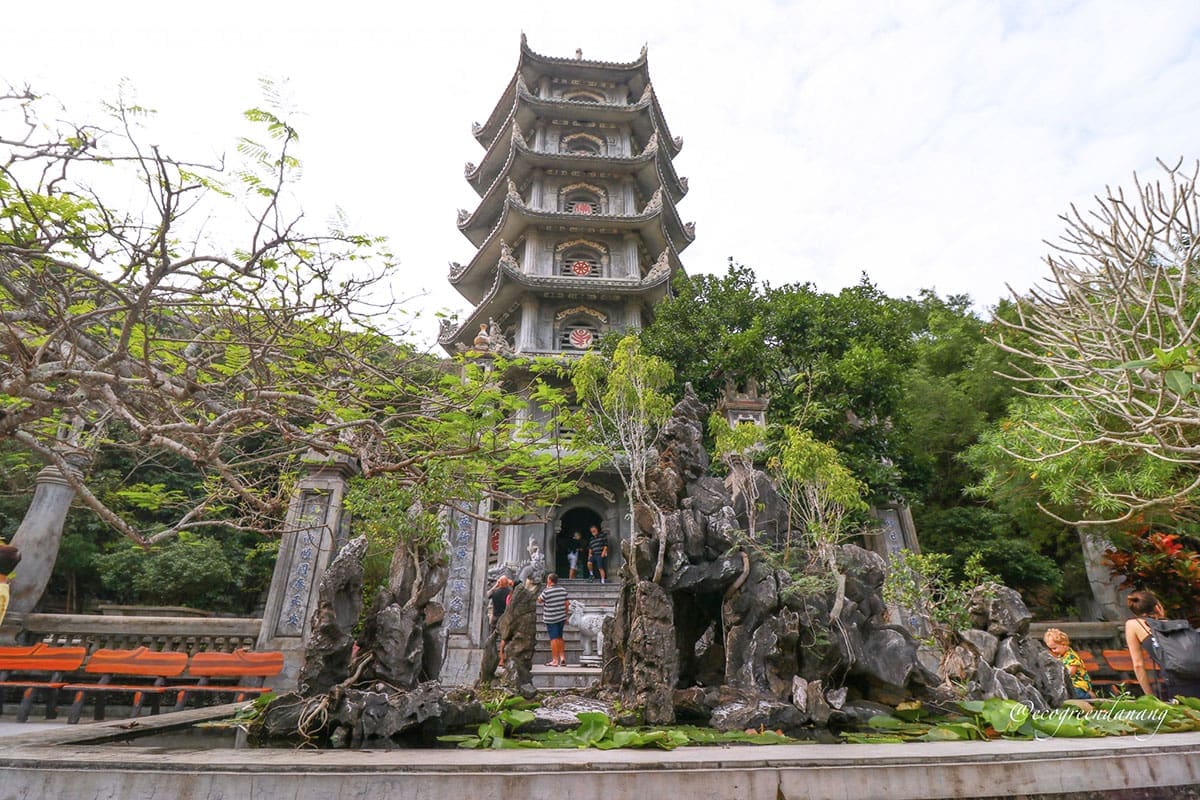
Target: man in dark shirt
x: 598, y: 552
x: 499, y: 595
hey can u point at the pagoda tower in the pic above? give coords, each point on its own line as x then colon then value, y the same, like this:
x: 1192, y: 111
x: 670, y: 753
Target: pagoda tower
x: 576, y: 234
x: 576, y: 231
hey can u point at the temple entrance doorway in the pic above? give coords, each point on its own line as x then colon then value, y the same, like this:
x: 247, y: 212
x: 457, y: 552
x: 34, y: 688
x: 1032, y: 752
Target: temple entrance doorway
x: 579, y: 519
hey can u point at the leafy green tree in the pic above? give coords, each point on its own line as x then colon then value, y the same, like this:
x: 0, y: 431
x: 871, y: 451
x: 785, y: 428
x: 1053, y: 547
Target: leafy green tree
x: 901, y: 388
x: 1107, y: 356
x: 925, y: 585
x: 191, y: 569
x: 625, y: 402
x: 737, y: 447
x: 822, y: 495
x: 129, y: 328
x: 832, y: 363
x: 952, y: 394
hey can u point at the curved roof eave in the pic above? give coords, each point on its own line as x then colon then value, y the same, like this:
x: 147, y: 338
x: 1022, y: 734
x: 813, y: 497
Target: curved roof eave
x: 470, y: 279
x: 470, y: 225
x: 494, y: 120
x: 508, y: 280
x: 450, y: 336
x: 639, y: 66
x: 635, y: 73
x: 475, y: 173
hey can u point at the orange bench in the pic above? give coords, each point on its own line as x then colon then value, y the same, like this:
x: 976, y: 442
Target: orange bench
x: 39, y: 667
x: 1120, y: 661
x: 246, y: 669
x: 1095, y: 669
x: 144, y: 673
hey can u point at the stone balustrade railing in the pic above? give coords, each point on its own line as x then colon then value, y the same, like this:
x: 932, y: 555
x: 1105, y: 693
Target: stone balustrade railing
x: 1093, y: 636
x: 188, y: 634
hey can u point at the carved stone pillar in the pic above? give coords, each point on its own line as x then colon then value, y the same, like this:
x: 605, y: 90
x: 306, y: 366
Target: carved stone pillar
x: 897, y: 531
x: 464, y: 598
x: 1108, y: 599
x: 527, y: 331
x: 512, y: 545
x: 313, y: 532
x: 537, y: 193
x: 39, y: 537
x: 629, y: 257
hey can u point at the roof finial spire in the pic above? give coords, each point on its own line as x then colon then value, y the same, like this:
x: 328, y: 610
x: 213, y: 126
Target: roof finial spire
x: 579, y: 54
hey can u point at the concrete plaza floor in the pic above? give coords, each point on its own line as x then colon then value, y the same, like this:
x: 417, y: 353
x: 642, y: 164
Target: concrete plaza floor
x: 42, y: 761
x: 18, y: 729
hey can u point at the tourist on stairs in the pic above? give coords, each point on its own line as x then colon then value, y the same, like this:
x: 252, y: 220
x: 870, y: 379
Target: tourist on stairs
x: 555, y: 608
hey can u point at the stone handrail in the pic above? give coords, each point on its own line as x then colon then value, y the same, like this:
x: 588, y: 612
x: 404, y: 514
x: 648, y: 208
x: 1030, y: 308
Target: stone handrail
x: 189, y: 634
x: 1094, y: 636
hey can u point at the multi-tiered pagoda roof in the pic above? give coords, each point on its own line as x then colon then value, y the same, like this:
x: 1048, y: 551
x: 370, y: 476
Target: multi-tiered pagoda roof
x: 577, y: 203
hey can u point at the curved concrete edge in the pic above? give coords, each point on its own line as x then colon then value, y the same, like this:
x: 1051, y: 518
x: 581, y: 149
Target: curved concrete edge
x: 55, y: 763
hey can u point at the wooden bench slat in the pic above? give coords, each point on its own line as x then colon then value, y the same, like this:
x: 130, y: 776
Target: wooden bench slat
x: 140, y: 671
x: 239, y: 663
x: 1120, y: 661
x: 45, y: 666
x: 238, y: 666
x: 139, y: 662
x: 41, y: 658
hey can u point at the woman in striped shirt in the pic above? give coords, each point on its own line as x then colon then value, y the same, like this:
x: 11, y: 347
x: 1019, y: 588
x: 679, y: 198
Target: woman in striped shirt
x: 555, y: 608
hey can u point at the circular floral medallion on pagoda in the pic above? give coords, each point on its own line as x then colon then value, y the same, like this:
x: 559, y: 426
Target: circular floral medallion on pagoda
x: 581, y: 338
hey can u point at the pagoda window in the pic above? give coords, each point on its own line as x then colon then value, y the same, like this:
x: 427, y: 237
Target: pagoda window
x: 582, y: 200
x: 564, y: 425
x: 585, y: 97
x: 581, y: 144
x: 578, y: 335
x: 581, y: 262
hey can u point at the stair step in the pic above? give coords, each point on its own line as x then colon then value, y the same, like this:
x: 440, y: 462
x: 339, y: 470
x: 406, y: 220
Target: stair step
x: 569, y: 677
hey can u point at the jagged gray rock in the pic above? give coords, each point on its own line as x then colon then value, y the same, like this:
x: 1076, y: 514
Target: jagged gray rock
x: 339, y: 603
x: 983, y: 642
x: 999, y: 610
x: 1007, y: 659
x: 397, y: 641
x: 518, y: 630
x: 734, y: 620
x: 755, y: 712
x: 651, y: 663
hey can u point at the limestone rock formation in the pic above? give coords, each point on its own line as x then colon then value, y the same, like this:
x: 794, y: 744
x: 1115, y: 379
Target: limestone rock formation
x: 518, y: 630
x: 729, y: 639
x: 339, y: 602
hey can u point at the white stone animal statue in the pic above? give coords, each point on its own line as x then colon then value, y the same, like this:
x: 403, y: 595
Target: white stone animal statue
x: 535, y: 568
x: 591, y: 625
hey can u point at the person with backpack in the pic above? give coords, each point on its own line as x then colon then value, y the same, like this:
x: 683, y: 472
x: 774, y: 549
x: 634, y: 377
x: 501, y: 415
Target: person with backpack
x: 1172, y: 644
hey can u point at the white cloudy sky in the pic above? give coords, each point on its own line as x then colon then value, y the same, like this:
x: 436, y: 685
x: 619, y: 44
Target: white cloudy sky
x: 930, y: 144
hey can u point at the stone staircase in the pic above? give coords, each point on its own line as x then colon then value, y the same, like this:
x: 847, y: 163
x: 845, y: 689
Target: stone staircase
x: 597, y: 597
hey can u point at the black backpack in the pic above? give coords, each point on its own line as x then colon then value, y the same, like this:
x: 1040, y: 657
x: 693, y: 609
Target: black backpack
x: 1175, y: 646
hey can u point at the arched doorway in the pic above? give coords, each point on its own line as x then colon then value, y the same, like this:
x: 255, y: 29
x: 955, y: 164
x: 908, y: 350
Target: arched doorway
x: 579, y: 519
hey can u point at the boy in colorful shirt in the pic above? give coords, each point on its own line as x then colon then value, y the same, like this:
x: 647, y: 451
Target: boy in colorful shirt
x: 10, y: 556
x: 1059, y: 645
